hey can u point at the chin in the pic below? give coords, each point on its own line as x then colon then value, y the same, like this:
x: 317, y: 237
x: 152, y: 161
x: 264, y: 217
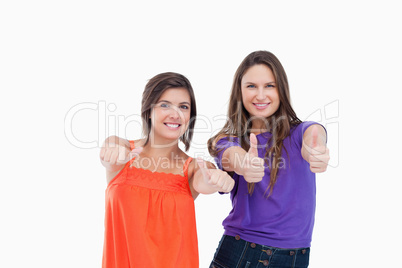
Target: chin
x: 172, y: 137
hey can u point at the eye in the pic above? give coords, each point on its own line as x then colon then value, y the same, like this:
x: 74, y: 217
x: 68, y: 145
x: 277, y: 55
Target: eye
x: 271, y: 86
x: 250, y: 86
x: 165, y: 105
x: 185, y: 107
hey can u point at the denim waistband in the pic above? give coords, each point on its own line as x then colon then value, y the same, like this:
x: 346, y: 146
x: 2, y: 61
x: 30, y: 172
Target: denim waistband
x: 263, y: 247
x: 236, y: 252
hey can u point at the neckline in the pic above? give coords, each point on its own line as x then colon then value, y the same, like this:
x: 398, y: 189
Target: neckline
x: 266, y: 132
x: 158, y: 172
x: 185, y: 165
x: 185, y: 168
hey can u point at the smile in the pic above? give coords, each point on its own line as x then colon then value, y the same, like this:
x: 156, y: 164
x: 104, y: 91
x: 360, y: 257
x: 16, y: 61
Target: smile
x: 172, y: 125
x: 261, y: 106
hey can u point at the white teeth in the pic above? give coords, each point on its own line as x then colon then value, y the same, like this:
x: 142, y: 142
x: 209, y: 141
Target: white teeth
x: 173, y: 125
x: 261, y: 104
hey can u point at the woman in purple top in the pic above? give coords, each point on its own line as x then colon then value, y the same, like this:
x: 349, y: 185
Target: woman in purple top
x: 273, y: 157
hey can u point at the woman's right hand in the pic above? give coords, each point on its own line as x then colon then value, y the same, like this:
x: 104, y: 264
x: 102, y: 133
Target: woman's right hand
x: 116, y: 152
x: 252, y: 167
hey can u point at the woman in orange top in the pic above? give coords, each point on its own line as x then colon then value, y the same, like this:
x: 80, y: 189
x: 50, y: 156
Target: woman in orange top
x: 152, y: 183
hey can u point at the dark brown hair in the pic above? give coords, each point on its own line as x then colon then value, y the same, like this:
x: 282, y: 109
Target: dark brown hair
x: 153, y: 91
x: 239, y: 120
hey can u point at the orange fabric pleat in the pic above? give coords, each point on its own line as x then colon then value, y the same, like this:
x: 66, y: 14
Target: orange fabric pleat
x: 149, y: 220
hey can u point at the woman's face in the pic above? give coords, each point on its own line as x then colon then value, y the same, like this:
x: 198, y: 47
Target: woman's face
x: 171, y: 115
x: 259, y: 91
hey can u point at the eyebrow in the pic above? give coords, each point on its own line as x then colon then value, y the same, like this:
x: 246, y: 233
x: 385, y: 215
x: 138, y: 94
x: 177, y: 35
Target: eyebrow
x: 184, y: 102
x: 265, y: 83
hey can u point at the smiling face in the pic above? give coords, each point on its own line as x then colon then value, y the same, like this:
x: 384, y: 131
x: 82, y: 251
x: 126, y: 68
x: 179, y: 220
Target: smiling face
x: 259, y: 92
x: 170, y: 116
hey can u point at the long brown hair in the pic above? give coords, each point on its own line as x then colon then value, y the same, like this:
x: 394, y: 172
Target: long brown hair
x: 152, y: 92
x: 239, y: 120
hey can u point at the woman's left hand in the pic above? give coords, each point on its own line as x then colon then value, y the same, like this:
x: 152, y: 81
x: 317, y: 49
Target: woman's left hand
x: 217, y: 179
x: 314, y: 149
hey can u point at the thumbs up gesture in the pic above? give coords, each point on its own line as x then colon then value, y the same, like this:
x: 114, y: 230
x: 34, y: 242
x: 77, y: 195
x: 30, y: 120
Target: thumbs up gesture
x: 116, y: 152
x: 217, y: 179
x: 314, y: 149
x: 252, y: 167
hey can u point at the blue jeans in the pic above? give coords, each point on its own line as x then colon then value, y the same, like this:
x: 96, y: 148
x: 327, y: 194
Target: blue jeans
x: 234, y: 252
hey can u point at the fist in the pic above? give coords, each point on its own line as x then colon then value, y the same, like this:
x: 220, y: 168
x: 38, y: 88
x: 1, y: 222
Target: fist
x: 252, y: 168
x: 116, y: 151
x: 221, y: 180
x: 317, y: 152
x: 218, y: 179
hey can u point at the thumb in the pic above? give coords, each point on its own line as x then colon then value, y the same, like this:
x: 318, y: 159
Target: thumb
x: 203, y: 167
x: 253, y: 145
x: 316, y: 143
x: 314, y: 137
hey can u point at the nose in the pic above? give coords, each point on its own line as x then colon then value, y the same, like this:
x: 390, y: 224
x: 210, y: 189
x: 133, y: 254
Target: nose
x: 174, y: 113
x: 260, y: 94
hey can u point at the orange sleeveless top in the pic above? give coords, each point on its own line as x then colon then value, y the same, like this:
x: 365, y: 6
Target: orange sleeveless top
x: 149, y: 220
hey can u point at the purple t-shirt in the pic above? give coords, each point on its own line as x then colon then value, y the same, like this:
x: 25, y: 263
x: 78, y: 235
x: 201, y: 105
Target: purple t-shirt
x: 286, y: 218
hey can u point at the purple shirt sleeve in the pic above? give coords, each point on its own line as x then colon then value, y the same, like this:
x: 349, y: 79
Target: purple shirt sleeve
x: 221, y: 147
x: 300, y: 129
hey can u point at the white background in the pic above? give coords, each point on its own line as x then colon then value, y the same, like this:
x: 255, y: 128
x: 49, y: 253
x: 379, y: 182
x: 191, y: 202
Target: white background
x: 343, y: 63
